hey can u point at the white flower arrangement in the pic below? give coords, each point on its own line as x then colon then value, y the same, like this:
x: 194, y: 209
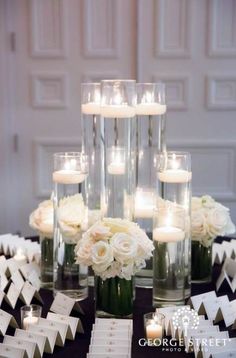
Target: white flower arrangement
x: 114, y: 247
x: 41, y: 219
x: 209, y: 220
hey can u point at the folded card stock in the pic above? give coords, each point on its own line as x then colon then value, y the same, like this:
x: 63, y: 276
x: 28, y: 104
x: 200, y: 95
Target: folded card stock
x: 227, y: 249
x: 29, y: 347
x: 228, y: 275
x: 5, y: 320
x: 74, y: 324
x: 12, y: 352
x: 64, y: 305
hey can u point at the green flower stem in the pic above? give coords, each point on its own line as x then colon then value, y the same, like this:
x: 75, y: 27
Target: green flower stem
x: 201, y: 262
x: 114, y: 296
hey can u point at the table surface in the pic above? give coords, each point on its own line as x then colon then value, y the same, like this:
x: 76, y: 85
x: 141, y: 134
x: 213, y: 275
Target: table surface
x: 142, y: 304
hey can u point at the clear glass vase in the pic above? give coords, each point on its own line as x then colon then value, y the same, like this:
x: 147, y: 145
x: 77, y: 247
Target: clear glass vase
x: 201, y: 262
x: 114, y: 297
x: 46, y: 264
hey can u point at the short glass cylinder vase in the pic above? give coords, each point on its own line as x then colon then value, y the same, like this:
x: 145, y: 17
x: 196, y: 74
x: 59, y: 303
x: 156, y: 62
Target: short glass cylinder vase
x: 169, y: 259
x: 70, y: 221
x: 46, y: 263
x: 114, y: 297
x: 201, y: 262
x: 150, y: 140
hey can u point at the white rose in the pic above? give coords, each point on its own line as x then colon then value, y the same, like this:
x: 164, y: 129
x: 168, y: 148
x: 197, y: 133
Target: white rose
x: 208, y: 202
x: 100, y: 232
x: 102, y: 256
x: 219, y: 222
x: 198, y: 225
x: 113, y: 270
x: 83, y: 252
x: 71, y: 214
x: 196, y: 203
x: 125, y: 247
x: 41, y: 219
x: 127, y: 271
x: 118, y: 225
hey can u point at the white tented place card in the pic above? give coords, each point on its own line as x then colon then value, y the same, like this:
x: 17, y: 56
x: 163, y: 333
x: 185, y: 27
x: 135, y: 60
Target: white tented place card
x: 217, y: 253
x: 199, y: 341
x: 49, y: 334
x: 64, y: 305
x: 32, y: 337
x: 197, y: 301
x: 224, y: 355
x: 222, y: 347
x: 34, y: 280
x: 2, y: 295
x: 29, y: 292
x: 228, y: 274
x: 12, y: 266
x: 12, y: 352
x: 125, y: 342
x: 27, y: 269
x: 30, y: 347
x: 106, y: 322
x: 179, y: 333
x: 17, y: 279
x: 74, y: 323
x: 3, y: 264
x: 12, y: 295
x: 211, y: 307
x: 227, y: 313
x: 191, y: 333
x: 60, y: 328
x: 228, y: 249
x: 101, y: 334
x: 6, y: 319
x: 109, y: 349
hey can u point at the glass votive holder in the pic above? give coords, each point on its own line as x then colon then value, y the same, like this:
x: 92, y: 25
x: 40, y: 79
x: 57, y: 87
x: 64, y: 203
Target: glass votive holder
x: 30, y: 315
x: 154, y: 325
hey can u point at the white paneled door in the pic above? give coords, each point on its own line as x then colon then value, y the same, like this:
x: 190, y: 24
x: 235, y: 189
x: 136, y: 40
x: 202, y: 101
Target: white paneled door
x: 48, y: 47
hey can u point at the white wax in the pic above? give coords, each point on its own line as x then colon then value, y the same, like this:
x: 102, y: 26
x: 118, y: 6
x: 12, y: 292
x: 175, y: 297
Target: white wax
x: 116, y: 168
x: 153, y: 330
x: 175, y: 176
x: 91, y: 108
x: 144, y: 204
x: 68, y: 177
x: 117, y: 111
x: 150, y: 109
x: 20, y: 257
x: 168, y: 234
x: 30, y: 320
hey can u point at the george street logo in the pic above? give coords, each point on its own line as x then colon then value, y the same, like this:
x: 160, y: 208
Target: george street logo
x: 184, y: 319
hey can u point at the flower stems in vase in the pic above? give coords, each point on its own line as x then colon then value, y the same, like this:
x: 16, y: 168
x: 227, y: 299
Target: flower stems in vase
x: 46, y: 263
x: 114, y: 297
x: 201, y: 262
x: 70, y: 221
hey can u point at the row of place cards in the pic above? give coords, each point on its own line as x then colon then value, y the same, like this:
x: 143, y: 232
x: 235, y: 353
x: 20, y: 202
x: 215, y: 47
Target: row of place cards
x: 24, y: 283
x: 204, y: 339
x: 11, y: 244
x: 216, y: 308
x: 111, y: 338
x: 41, y: 337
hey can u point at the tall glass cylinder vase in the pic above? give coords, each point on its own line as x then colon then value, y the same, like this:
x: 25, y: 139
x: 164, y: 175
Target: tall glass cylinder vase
x: 150, y: 140
x: 118, y: 121
x: 173, y: 204
x: 91, y: 146
x: 70, y: 220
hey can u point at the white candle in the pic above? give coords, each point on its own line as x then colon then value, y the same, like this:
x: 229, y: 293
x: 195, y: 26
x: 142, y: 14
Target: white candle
x: 116, y: 168
x: 175, y: 176
x: 20, y: 257
x: 150, y: 109
x: 117, y: 111
x: 168, y: 234
x: 153, y: 330
x: 30, y: 320
x: 91, y: 108
x: 144, y: 204
x: 68, y: 176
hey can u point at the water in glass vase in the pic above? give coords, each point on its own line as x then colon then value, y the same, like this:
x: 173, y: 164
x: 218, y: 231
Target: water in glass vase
x: 168, y: 266
x: 69, y: 277
x: 46, y: 263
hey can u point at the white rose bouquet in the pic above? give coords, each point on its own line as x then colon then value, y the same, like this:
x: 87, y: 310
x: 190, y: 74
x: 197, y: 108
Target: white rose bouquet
x: 209, y: 220
x: 114, y: 248
x: 41, y: 219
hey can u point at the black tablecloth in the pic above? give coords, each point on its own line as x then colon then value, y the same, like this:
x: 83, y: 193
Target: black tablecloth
x: 143, y: 303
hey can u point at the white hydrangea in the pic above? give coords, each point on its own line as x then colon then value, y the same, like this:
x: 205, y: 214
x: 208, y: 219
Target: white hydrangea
x: 209, y: 219
x: 114, y: 247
